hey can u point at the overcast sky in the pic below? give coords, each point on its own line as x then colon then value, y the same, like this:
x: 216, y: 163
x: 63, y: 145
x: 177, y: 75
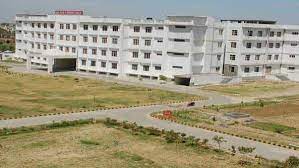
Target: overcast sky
x: 284, y: 11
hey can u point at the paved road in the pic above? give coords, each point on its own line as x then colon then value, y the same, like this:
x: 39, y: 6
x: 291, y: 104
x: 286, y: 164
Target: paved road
x: 141, y: 115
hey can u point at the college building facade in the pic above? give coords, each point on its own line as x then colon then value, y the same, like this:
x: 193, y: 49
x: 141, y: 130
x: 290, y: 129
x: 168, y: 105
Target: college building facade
x: 149, y: 48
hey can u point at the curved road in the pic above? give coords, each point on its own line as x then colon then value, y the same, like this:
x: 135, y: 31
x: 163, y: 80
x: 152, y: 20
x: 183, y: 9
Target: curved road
x: 141, y: 115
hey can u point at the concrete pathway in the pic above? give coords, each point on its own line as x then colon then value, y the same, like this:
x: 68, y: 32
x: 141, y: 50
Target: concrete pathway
x: 141, y: 115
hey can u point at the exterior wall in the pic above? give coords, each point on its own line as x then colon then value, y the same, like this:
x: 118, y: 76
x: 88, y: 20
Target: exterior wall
x: 178, y: 45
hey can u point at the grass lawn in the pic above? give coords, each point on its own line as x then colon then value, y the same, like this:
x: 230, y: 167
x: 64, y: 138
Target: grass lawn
x: 96, y: 145
x: 28, y: 94
x: 271, y: 127
x: 251, y: 88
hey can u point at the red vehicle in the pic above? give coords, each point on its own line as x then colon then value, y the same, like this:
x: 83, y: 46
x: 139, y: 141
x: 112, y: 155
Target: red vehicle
x: 191, y: 104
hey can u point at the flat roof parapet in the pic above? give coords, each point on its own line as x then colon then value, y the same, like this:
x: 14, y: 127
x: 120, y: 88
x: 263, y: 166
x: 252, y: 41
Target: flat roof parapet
x: 250, y: 21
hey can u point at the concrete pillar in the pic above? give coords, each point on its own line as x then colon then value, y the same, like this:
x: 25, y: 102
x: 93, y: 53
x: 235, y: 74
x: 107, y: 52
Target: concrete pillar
x: 28, y: 62
x: 50, y: 65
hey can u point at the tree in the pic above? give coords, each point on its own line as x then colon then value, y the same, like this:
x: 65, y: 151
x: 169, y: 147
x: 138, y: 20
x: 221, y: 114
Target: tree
x: 292, y: 162
x: 219, y: 140
x: 245, y: 150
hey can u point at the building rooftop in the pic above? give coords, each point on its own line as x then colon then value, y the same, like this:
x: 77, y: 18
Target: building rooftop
x: 250, y: 21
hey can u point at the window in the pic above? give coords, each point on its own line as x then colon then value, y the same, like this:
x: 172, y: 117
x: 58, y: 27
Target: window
x: 68, y: 26
x: 258, y: 45
x: 83, y: 62
x: 148, y: 29
x: 220, y: 32
x: 160, y: 28
x: 218, y: 57
x: 291, y: 68
x: 250, y: 33
x: 104, y: 52
x: 74, y: 27
x: 256, y: 69
x: 292, y: 56
x: 147, y: 55
x: 277, y: 45
x: 45, y: 36
x: 147, y: 42
x: 60, y: 48
x: 61, y: 26
x: 38, y: 25
x: 104, y: 28
x: 135, y: 54
x: 114, y: 53
x: 103, y: 64
x: 114, y: 40
x: 180, y: 27
x: 93, y: 63
x: 247, y: 58
x: 114, y: 65
x: 276, y: 57
x: 246, y: 69
x: 85, y: 27
x: 32, y: 25
x: 160, y: 41
x: 272, y: 34
x: 232, y: 57
x: 136, y: 29
x: 45, y: 47
x: 219, y: 44
x: 115, y: 28
x: 233, y: 45
x: 294, y: 44
x: 38, y: 35
x: 260, y: 33
x: 67, y: 38
x: 73, y: 50
x: 52, y: 26
x: 278, y: 34
x: 95, y: 39
x: 104, y: 40
x: 257, y: 57
x: 232, y: 69
x: 145, y: 68
x: 84, y: 50
x: 179, y: 40
x: 74, y: 38
x: 177, y: 67
x: 95, y: 27
x: 85, y: 39
x: 60, y: 37
x: 158, y: 68
x: 295, y: 33
x: 51, y: 36
x: 45, y: 25
x: 271, y: 45
x: 94, y: 51
x: 234, y: 32
x: 134, y: 67
x: 269, y: 57
x: 248, y: 45
x: 135, y: 41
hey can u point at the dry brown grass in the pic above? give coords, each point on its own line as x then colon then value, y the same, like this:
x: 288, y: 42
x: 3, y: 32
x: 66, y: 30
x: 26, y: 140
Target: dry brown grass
x: 260, y: 88
x: 104, y: 147
x: 28, y: 94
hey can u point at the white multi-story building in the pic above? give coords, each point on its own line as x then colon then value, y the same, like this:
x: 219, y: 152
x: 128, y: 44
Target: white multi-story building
x: 178, y: 45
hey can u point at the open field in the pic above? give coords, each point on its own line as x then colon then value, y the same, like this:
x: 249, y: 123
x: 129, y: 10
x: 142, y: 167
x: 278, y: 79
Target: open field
x: 28, y: 94
x: 276, y: 120
x: 255, y: 88
x: 97, y: 145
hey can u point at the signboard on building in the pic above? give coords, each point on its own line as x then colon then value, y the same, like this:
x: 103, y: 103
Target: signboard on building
x: 68, y: 12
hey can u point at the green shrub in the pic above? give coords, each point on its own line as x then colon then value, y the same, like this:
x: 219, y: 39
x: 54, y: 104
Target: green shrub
x: 162, y: 77
x: 292, y: 162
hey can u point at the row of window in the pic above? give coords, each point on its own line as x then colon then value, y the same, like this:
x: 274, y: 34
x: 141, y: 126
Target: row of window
x: 103, y: 64
x: 145, y: 67
x: 45, y: 35
x: 260, y: 33
x: 258, y: 45
x: 44, y: 25
x: 41, y: 46
x: 104, y: 39
x: 258, y: 69
x: 114, y: 53
x: 257, y: 57
x: 147, y: 42
x: 115, y: 28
